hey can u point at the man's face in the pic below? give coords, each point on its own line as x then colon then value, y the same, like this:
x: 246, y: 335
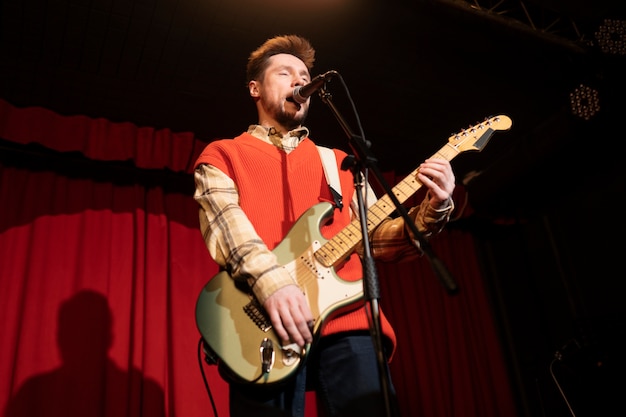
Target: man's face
x: 275, y: 90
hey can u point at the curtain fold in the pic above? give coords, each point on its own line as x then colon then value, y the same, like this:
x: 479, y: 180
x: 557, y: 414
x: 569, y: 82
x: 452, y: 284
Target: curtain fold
x: 100, y: 270
x: 126, y: 274
x: 99, y: 139
x: 449, y: 361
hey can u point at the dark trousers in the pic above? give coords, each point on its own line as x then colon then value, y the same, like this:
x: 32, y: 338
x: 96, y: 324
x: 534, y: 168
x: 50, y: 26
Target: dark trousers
x: 343, y: 371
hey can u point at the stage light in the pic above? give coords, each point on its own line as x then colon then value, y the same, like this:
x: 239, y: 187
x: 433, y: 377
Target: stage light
x: 585, y: 102
x: 611, y: 37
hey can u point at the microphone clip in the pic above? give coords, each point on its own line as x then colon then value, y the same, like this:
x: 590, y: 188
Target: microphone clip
x: 302, y: 92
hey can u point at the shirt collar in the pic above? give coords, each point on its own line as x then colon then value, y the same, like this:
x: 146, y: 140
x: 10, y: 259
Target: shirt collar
x: 288, y: 142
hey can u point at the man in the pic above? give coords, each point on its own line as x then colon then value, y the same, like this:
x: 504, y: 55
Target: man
x: 251, y: 190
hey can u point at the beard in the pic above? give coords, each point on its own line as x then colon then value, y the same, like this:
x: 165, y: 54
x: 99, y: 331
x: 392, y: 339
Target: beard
x: 289, y: 119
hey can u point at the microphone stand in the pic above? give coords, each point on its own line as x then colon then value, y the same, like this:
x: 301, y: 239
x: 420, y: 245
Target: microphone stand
x: 363, y: 159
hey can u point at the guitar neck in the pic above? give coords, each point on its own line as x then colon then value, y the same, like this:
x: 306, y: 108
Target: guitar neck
x: 343, y: 244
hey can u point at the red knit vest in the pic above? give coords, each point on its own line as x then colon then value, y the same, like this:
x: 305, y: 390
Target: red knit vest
x: 276, y: 188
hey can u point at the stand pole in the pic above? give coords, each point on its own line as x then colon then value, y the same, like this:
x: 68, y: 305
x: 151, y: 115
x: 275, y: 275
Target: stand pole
x: 360, y: 161
x: 371, y: 292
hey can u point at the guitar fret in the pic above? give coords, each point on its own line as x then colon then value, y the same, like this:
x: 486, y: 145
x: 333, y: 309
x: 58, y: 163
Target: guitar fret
x: 377, y: 213
x: 348, y: 239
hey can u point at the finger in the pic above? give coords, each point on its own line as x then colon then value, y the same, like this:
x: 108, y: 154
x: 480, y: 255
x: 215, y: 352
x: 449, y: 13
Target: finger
x: 298, y: 325
x: 440, y: 194
x: 277, y: 325
x: 439, y: 175
x: 438, y: 162
x: 438, y: 165
x: 305, y: 329
x: 293, y: 330
x: 431, y: 178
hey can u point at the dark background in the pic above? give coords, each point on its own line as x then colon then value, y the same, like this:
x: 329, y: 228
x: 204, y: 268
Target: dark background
x: 545, y: 197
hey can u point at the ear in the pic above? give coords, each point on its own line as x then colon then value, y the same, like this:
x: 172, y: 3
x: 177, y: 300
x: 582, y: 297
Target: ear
x: 253, y: 88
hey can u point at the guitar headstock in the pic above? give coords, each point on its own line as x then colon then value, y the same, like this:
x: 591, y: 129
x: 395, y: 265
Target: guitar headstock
x: 475, y: 138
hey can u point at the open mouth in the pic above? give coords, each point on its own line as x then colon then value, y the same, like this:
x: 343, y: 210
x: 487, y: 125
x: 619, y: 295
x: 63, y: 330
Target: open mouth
x: 291, y: 100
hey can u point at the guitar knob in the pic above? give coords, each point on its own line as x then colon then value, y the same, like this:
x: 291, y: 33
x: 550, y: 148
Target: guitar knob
x: 291, y: 354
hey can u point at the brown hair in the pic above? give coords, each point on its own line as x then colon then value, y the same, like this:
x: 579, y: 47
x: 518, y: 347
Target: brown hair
x: 285, y: 44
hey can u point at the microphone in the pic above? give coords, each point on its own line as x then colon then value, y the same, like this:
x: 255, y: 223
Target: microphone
x: 302, y: 93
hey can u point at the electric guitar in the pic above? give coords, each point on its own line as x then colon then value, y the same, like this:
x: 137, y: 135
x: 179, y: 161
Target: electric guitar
x: 236, y: 331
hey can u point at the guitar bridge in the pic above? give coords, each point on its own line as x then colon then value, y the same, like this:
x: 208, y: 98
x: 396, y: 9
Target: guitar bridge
x: 257, y: 314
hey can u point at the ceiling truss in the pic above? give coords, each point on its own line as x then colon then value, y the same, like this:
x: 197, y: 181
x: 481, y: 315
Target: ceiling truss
x: 603, y: 28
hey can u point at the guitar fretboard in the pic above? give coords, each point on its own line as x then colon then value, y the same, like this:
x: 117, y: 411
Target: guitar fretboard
x: 343, y: 243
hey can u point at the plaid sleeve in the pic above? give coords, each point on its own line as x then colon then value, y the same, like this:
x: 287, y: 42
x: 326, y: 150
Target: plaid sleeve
x: 230, y: 236
x: 393, y: 241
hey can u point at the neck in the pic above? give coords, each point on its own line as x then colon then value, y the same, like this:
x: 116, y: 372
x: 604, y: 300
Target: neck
x: 282, y: 129
x: 266, y: 120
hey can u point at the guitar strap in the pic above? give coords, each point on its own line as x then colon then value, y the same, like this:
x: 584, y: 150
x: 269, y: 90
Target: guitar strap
x: 329, y: 163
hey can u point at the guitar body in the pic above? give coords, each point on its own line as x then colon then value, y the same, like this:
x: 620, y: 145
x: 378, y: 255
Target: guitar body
x: 234, y: 326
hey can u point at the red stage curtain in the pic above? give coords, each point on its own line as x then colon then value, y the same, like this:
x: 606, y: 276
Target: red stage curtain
x: 100, y: 270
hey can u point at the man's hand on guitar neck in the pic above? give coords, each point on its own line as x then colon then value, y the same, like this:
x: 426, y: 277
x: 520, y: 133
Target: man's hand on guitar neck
x: 291, y: 317
x: 437, y: 175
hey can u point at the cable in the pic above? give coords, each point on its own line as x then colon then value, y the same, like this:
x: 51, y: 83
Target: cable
x: 556, y: 381
x: 204, y: 378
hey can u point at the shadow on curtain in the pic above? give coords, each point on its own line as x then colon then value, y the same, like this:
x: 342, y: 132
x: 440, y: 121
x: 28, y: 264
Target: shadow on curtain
x: 84, y: 336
